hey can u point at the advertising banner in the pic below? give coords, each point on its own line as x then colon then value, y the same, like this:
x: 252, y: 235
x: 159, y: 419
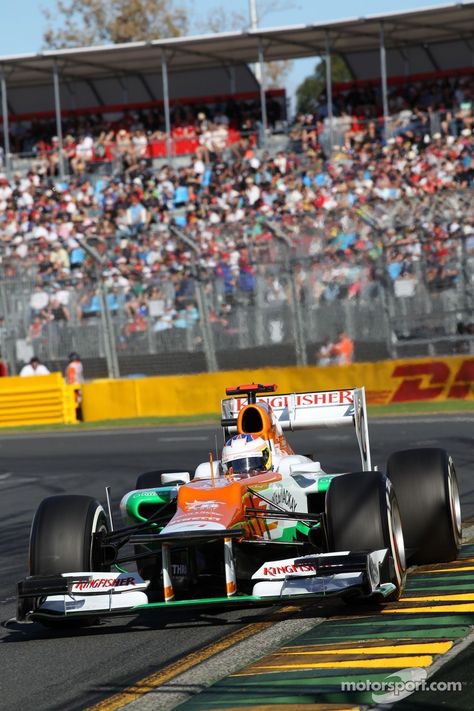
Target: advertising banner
x: 391, y: 381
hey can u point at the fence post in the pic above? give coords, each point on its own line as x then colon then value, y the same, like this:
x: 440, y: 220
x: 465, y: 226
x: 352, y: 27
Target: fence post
x: 207, y: 335
x: 468, y: 302
x: 300, y: 341
x: 206, y: 331
x: 107, y: 325
x: 8, y: 331
x: 259, y: 320
x: 386, y: 293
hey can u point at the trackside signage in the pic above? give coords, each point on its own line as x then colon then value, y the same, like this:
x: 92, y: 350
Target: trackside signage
x: 434, y: 380
x: 402, y: 380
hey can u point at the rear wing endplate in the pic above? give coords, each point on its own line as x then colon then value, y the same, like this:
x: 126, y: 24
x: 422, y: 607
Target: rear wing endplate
x: 308, y: 410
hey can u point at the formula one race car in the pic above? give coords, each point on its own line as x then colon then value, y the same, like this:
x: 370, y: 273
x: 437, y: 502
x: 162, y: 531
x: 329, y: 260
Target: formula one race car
x: 261, y: 524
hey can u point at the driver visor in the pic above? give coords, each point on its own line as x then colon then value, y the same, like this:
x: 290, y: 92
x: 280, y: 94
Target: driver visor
x: 246, y: 464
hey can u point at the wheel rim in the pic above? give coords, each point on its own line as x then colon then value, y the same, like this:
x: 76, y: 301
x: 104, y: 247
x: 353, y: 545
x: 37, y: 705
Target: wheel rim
x: 454, y: 502
x: 99, y: 525
x: 397, y: 541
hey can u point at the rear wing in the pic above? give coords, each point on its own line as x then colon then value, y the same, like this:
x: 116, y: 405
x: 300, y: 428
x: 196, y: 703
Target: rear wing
x: 308, y: 410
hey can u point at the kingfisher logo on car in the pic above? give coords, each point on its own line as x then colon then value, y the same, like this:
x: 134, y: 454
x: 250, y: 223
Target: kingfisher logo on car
x: 104, y: 583
x: 313, y: 399
x: 279, y: 569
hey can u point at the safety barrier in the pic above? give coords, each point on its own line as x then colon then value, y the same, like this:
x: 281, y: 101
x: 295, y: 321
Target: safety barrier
x: 40, y: 400
x: 186, y: 395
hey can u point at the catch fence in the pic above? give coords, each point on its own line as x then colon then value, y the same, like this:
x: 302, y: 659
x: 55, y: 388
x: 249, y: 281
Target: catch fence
x: 396, y: 276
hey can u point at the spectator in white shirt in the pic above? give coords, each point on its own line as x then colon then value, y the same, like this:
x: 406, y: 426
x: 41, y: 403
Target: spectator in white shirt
x: 39, y: 300
x: 34, y: 367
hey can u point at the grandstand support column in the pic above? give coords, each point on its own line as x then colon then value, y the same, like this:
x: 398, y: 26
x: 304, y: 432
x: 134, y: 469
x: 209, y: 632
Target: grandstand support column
x: 166, y: 105
x: 6, y: 126
x: 383, y: 79
x: 263, y: 103
x: 258, y: 68
x: 232, y: 82
x: 59, y: 126
x: 329, y: 92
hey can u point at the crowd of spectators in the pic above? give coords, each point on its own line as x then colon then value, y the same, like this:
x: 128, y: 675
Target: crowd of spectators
x: 442, y: 103
x: 438, y: 106
x: 337, y: 212
x: 124, y: 138
x: 441, y: 108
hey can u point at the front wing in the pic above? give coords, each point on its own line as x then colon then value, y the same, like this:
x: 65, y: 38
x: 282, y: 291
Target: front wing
x: 89, y: 594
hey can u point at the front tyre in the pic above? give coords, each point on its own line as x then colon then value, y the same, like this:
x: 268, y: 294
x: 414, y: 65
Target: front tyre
x: 62, y: 537
x: 362, y: 515
x: 428, y: 495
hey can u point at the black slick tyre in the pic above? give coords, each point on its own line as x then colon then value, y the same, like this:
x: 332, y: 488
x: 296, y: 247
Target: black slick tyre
x: 427, y: 492
x: 62, y: 533
x: 362, y: 516
x: 61, y: 539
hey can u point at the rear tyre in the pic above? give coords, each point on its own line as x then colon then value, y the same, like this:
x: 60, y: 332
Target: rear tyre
x: 62, y: 540
x: 362, y: 515
x: 427, y: 492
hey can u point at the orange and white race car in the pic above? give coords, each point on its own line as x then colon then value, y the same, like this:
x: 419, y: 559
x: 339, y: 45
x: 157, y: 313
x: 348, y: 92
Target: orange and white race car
x: 259, y: 524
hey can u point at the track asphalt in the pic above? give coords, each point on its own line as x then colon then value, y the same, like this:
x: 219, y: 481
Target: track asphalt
x: 44, y: 670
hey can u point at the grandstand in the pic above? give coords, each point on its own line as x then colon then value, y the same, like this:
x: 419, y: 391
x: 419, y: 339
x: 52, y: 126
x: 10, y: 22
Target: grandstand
x: 95, y: 79
x: 371, y: 196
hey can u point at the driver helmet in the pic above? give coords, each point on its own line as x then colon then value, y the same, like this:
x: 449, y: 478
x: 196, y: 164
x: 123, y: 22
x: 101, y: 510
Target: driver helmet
x: 245, y: 453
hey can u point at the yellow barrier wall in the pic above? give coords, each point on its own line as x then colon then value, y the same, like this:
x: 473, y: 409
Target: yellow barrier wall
x: 36, y: 400
x: 385, y: 382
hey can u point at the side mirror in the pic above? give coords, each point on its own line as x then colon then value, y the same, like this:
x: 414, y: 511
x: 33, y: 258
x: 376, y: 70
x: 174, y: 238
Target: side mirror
x: 173, y: 477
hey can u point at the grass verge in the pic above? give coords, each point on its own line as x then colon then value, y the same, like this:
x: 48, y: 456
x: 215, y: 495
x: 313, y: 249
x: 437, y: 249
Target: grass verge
x: 421, y: 408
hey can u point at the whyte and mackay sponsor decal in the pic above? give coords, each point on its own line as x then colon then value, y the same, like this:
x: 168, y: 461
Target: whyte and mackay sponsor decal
x: 282, y: 497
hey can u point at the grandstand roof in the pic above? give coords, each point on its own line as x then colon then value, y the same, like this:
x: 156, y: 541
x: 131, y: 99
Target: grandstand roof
x: 417, y: 41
